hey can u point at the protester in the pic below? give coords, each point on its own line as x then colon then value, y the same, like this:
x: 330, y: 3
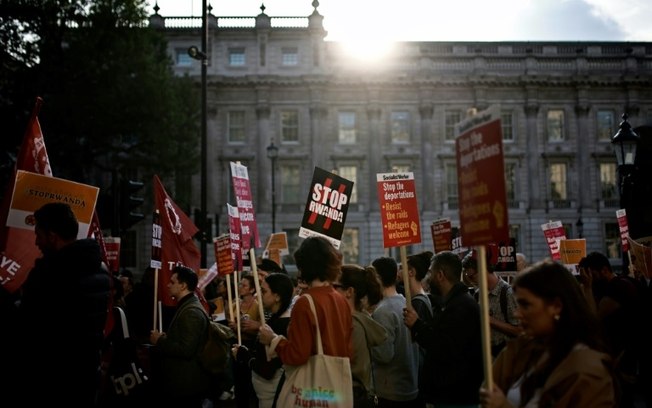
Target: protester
x: 619, y: 305
x: 502, y: 304
x: 182, y: 381
x: 558, y: 361
x: 521, y: 262
x: 61, y: 316
x: 453, y: 357
x: 249, y: 322
x: 358, y: 285
x: 276, y: 295
x: 319, y: 265
x: 396, y: 361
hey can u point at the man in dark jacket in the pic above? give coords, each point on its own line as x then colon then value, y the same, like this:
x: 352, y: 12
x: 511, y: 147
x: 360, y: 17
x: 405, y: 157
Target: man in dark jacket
x: 61, y: 315
x: 183, y: 382
x: 452, y: 340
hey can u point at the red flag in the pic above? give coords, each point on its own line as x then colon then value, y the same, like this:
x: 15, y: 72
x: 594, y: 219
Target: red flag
x: 95, y: 232
x: 18, y: 248
x: 176, y: 239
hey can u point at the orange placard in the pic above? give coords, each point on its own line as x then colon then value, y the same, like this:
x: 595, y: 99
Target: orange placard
x: 33, y: 190
x: 572, y: 250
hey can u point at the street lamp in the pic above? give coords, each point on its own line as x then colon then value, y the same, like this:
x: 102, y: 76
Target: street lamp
x: 201, y: 55
x: 272, y: 154
x: 625, y: 143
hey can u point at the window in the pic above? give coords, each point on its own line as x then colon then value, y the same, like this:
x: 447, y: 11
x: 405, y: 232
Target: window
x: 350, y: 246
x: 612, y: 240
x: 236, y: 126
x: 451, y: 185
x: 400, y: 127
x: 401, y: 168
x: 183, y: 59
x: 350, y: 173
x: 555, y: 125
x: 289, y: 126
x: 608, y: 181
x: 290, y: 56
x: 510, y: 184
x: 347, y: 128
x: 507, y: 125
x: 290, y: 184
x: 605, y: 125
x: 451, y: 118
x: 237, y: 57
x: 558, y: 187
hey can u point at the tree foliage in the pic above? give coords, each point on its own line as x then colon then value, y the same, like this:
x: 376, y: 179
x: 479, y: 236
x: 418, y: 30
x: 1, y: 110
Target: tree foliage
x: 110, y: 97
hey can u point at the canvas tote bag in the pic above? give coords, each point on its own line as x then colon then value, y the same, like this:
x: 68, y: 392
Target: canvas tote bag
x: 323, y: 381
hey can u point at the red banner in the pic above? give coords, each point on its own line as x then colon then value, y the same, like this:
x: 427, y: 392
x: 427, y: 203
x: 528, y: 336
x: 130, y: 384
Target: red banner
x: 18, y: 247
x: 249, y: 228
x: 481, y: 180
x: 224, y: 257
x: 554, y: 232
x: 234, y: 234
x: 177, y: 240
x: 621, y: 215
x: 398, y: 209
x: 442, y: 233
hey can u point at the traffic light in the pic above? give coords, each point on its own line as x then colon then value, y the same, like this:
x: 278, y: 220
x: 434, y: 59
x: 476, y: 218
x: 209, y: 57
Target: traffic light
x: 129, y: 202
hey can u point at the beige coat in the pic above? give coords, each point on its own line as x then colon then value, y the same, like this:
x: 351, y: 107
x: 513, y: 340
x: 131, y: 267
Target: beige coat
x: 582, y: 379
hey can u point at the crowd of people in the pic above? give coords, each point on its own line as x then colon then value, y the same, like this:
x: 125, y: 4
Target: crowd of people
x: 558, y: 338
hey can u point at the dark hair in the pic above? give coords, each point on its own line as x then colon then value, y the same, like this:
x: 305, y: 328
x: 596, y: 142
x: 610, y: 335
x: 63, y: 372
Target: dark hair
x: 58, y: 218
x: 317, y: 258
x: 449, y: 263
x: 470, y: 261
x: 281, y: 284
x: 387, y: 269
x: 252, y: 282
x: 364, y: 281
x: 420, y: 263
x: 550, y: 281
x: 187, y: 276
x: 270, y: 266
x: 595, y: 260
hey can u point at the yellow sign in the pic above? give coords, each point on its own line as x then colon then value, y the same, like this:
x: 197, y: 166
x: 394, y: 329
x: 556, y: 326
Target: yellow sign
x: 33, y: 190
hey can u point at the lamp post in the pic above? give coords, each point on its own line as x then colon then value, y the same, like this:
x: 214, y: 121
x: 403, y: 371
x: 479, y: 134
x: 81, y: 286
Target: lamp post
x: 272, y: 154
x: 625, y: 143
x: 203, y: 57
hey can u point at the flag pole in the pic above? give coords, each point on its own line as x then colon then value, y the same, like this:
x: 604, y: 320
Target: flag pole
x: 155, y: 295
x: 484, y: 316
x: 254, y: 268
x: 406, y: 281
x: 237, y: 309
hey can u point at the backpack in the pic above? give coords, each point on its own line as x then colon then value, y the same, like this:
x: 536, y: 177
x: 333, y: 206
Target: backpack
x: 214, y: 354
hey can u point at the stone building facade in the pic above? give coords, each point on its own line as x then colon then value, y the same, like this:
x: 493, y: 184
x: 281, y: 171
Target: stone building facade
x: 276, y: 79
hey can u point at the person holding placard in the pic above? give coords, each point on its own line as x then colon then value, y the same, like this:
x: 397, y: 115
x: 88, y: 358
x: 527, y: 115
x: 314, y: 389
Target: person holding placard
x: 559, y: 360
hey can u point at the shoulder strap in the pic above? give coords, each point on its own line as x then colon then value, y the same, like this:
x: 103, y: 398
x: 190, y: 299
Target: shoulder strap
x: 320, y: 348
x: 123, y: 321
x: 503, y: 302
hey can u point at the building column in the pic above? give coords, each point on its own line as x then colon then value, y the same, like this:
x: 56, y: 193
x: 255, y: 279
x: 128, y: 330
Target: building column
x: 532, y: 148
x: 375, y: 142
x: 263, y: 164
x: 425, y: 111
x: 583, y: 140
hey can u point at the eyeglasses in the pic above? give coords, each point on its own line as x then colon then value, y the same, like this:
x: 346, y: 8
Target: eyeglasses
x: 337, y: 285
x: 470, y: 273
